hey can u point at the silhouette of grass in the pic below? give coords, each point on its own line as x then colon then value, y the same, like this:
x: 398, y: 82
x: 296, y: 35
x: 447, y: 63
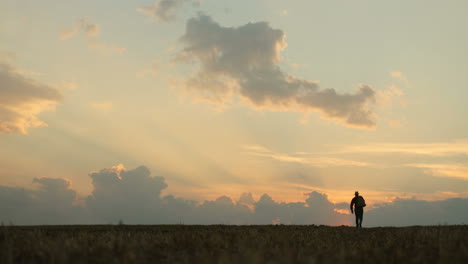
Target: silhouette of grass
x: 232, y: 244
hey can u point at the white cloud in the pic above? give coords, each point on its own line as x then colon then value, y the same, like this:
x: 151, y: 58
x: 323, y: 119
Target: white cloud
x: 400, y: 76
x: 394, y: 123
x: 390, y: 93
x: 248, y: 56
x: 67, y: 33
x: 91, y: 30
x: 303, y: 158
x: 71, y: 86
x: 82, y: 24
x: 101, y: 105
x: 22, y: 99
x: 397, y: 74
x: 453, y: 170
x: 105, y: 48
x: 439, y: 149
x: 151, y: 71
x: 7, y: 56
x: 25, y: 72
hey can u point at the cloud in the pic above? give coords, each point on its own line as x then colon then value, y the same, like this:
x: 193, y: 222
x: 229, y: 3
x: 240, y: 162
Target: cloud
x: 407, y: 212
x: 71, y: 86
x: 400, y: 76
x: 394, y: 123
x: 316, y: 209
x: 7, y: 56
x: 223, y: 210
x: 50, y: 189
x: 92, y: 30
x: 196, y: 3
x: 105, y: 48
x: 130, y: 195
x: 437, y: 159
x: 303, y: 158
x: 248, y: 56
x: 102, y: 105
x: 397, y: 74
x: 135, y: 197
x: 246, y: 199
x: 151, y: 71
x: 162, y: 10
x: 68, y: 33
x: 25, y: 72
x: 452, y: 170
x: 51, y: 203
x: 387, y: 95
x: 82, y: 24
x: 22, y: 99
x: 393, y: 96
x: 438, y: 149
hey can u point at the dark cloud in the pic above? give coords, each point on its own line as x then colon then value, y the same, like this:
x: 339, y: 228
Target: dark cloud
x: 162, y: 10
x: 246, y: 199
x: 15, y: 205
x: 52, y: 203
x: 22, y: 99
x: 405, y: 212
x: 316, y: 209
x: 223, y: 210
x: 342, y: 206
x: 244, y: 61
x: 50, y: 189
x: 134, y: 197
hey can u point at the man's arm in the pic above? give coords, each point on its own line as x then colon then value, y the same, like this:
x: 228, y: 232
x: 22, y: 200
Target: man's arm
x: 351, y: 205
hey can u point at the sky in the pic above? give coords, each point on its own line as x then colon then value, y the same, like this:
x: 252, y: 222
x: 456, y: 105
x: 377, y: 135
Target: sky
x: 237, y: 112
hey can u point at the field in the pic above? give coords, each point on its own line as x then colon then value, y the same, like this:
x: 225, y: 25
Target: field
x: 232, y: 244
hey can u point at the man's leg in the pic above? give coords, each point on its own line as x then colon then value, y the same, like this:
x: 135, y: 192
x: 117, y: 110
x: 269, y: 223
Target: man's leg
x: 359, y: 213
x: 357, y: 218
x: 362, y: 217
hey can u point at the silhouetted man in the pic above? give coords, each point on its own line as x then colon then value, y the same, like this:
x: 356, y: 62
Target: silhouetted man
x: 359, y: 204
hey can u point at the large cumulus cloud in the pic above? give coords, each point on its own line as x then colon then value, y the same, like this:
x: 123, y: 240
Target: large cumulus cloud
x: 52, y: 202
x: 244, y: 61
x: 22, y: 99
x: 134, y: 197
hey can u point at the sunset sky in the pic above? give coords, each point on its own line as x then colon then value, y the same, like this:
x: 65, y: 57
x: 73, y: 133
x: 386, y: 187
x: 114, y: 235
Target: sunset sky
x: 224, y: 97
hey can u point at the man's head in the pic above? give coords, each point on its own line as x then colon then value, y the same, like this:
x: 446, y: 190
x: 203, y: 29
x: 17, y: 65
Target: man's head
x: 356, y: 193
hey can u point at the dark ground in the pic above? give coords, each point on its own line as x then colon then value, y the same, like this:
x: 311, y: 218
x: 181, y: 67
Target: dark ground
x: 232, y: 244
